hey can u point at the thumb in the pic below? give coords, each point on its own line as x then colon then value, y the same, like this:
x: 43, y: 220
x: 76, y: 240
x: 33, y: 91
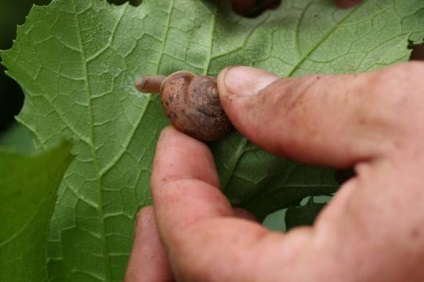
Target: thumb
x: 315, y: 119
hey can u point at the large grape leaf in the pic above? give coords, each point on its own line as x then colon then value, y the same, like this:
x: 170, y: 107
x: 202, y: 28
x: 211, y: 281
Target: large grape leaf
x: 76, y: 61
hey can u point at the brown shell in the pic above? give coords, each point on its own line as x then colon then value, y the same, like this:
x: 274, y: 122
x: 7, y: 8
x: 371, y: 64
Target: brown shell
x: 192, y: 104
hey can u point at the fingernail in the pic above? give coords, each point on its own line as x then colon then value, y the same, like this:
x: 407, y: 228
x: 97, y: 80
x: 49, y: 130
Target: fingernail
x: 246, y: 81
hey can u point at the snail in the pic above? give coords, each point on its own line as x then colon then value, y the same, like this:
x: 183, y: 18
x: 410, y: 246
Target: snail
x: 190, y: 102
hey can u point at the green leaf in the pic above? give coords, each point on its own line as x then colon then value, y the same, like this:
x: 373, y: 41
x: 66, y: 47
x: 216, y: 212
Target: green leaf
x: 28, y: 187
x: 303, y: 214
x: 77, y: 61
x: 17, y: 137
x: 276, y: 221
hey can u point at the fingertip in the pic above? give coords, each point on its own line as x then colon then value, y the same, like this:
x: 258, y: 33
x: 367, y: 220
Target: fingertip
x: 168, y: 132
x: 179, y: 156
x: 172, y: 138
x: 145, y: 226
x: 145, y: 218
x: 148, y: 259
x: 243, y: 81
x: 237, y: 87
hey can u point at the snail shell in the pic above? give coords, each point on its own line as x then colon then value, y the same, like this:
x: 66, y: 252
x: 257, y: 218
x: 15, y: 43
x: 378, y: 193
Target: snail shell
x: 191, y: 104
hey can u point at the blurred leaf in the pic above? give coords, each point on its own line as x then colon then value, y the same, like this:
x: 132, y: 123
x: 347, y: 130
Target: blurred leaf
x: 276, y: 221
x: 303, y: 215
x: 28, y: 187
x: 17, y: 138
x: 77, y: 61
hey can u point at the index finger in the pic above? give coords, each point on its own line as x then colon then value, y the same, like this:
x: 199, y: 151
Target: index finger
x: 184, y: 182
x: 195, y: 221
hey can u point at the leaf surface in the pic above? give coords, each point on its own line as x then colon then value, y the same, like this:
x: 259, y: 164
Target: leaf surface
x: 77, y: 61
x: 17, y: 137
x: 303, y: 214
x: 28, y: 187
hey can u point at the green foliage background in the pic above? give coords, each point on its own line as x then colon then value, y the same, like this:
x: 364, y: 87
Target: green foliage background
x: 28, y: 188
x: 77, y: 60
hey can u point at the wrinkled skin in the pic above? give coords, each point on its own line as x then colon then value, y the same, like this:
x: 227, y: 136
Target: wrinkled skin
x: 373, y: 230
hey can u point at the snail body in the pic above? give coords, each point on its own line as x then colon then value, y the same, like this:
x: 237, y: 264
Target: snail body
x: 190, y: 102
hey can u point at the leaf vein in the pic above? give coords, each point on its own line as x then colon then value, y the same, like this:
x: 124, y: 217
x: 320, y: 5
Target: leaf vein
x: 94, y: 156
x: 321, y: 41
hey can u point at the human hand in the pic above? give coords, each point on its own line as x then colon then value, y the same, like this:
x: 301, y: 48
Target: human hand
x: 373, y: 229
